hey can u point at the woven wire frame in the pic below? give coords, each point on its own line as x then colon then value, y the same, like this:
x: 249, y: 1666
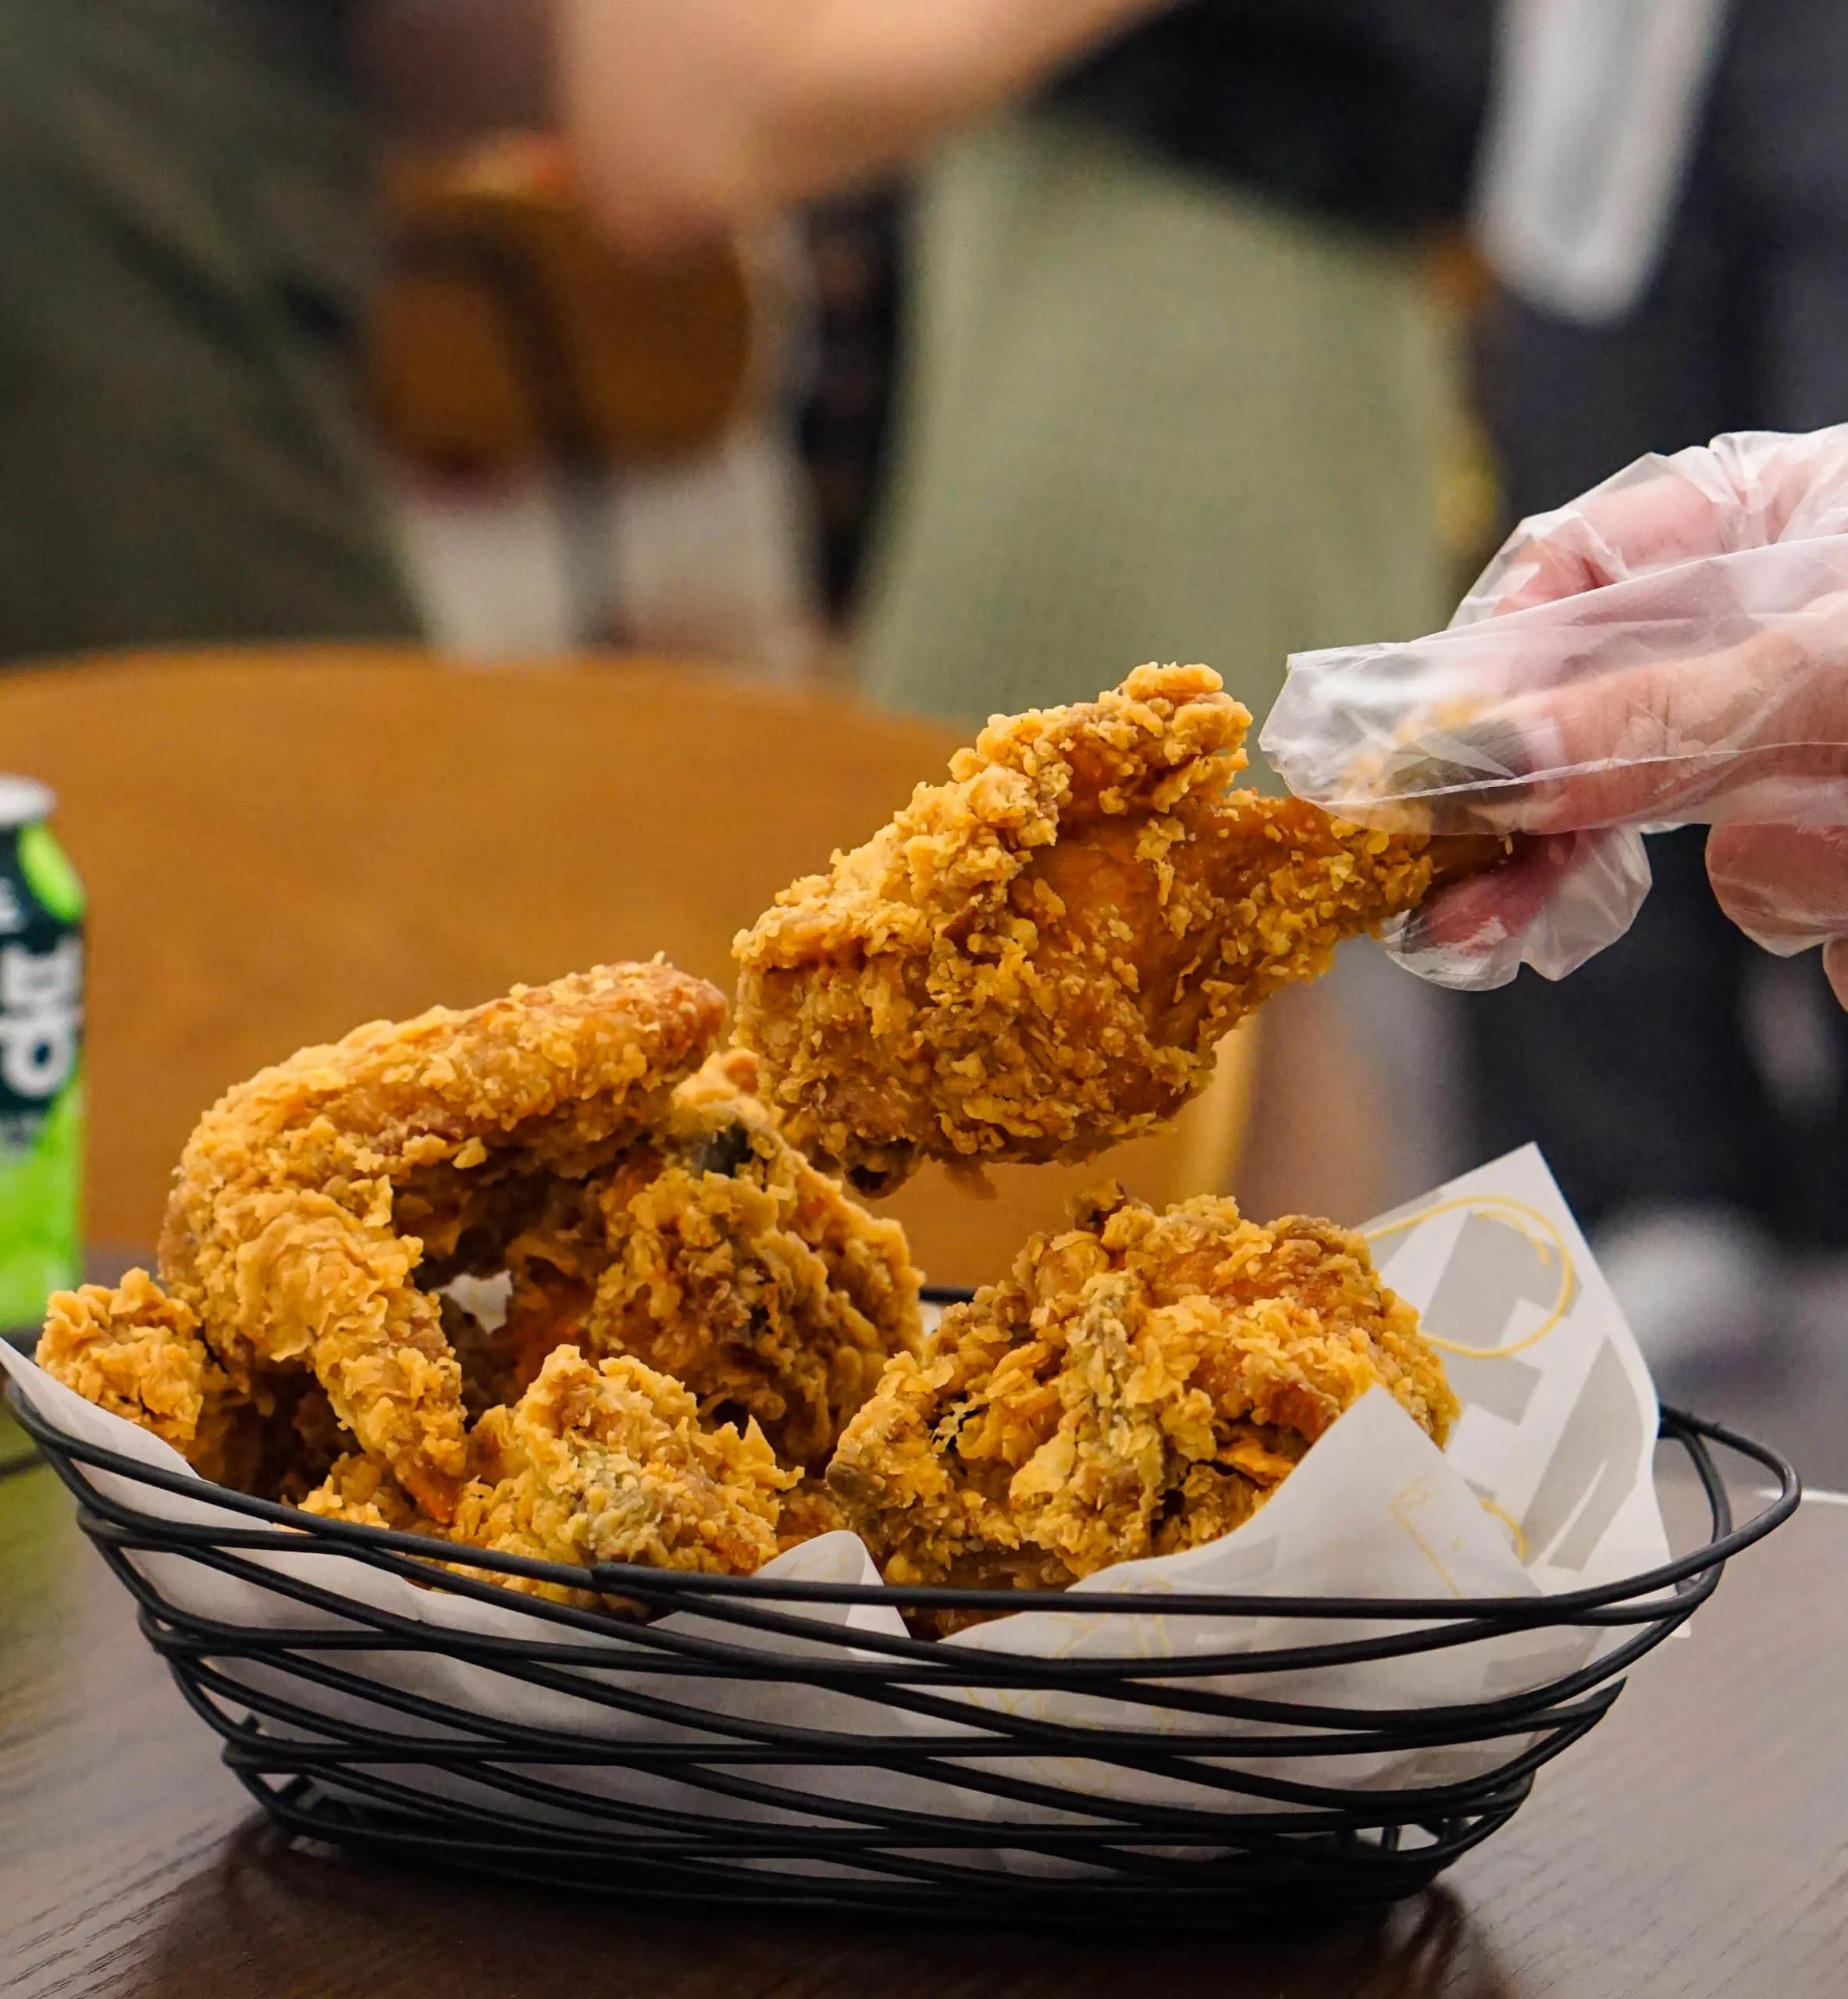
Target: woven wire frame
x: 687, y: 1803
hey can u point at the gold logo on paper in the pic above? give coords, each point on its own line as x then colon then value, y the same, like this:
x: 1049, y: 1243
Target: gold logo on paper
x: 1539, y: 1230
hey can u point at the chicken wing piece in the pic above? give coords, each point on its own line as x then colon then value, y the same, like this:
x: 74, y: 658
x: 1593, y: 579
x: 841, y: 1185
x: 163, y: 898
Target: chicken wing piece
x: 712, y: 1250
x: 306, y: 1197
x: 1137, y: 1385
x: 1036, y: 959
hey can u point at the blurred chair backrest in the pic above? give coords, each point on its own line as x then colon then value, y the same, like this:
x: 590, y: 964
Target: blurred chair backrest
x: 506, y: 332
x: 280, y: 844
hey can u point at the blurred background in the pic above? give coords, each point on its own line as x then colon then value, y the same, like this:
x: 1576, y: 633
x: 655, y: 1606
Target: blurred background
x: 495, y: 487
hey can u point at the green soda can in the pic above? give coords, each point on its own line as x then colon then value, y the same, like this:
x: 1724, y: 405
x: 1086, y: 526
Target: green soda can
x: 41, y: 1075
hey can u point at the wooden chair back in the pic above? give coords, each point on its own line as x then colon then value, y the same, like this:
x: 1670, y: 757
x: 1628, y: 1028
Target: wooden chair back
x: 280, y: 844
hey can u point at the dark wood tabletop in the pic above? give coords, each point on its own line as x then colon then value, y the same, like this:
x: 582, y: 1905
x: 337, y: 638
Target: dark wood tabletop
x: 1696, y: 1844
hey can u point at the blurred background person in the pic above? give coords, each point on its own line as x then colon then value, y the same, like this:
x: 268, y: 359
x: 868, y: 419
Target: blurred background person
x: 1178, y: 384
x: 1175, y: 381
x: 1665, y: 203
x: 691, y: 126
x: 193, y: 244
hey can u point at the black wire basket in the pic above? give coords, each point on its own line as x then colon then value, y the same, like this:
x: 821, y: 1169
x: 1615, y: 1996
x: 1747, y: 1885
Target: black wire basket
x: 925, y: 1790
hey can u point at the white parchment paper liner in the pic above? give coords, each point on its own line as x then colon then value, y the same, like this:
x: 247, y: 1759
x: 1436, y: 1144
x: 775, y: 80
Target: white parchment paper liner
x: 1547, y: 1485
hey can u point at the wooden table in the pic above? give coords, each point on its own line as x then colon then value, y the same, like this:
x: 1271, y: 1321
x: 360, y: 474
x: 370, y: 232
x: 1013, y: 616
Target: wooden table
x: 1696, y: 1844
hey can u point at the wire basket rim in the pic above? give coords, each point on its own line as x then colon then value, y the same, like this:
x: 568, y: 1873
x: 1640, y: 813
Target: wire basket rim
x: 1261, y: 1834
x: 665, y: 1588
x: 335, y: 1747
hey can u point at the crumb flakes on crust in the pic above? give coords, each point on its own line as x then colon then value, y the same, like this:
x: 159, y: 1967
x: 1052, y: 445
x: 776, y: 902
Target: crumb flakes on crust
x: 1038, y: 959
x: 1138, y: 1385
x: 288, y: 1234
x: 594, y: 1462
x: 714, y: 1251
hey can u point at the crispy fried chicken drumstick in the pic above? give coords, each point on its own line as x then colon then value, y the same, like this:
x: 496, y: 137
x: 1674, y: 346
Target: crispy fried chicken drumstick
x: 1136, y: 1386
x: 1038, y: 959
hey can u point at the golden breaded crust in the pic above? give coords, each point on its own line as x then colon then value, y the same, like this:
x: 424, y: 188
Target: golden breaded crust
x: 712, y: 1250
x: 141, y: 1354
x: 750, y: 1275
x: 137, y: 1353
x: 306, y: 1196
x: 810, y: 1510
x: 1036, y: 959
x: 608, y: 1462
x: 362, y: 1490
x: 1137, y: 1384
x: 593, y: 1464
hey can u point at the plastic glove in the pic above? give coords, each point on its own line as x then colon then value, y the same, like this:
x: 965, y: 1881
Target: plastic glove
x: 1672, y: 648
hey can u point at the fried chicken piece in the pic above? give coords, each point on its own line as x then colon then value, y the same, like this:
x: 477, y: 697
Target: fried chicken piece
x: 137, y: 1353
x: 608, y: 1462
x: 1137, y: 1385
x: 140, y: 1355
x: 1036, y: 959
x: 605, y: 1463
x: 362, y: 1490
x: 306, y: 1197
x: 713, y: 1251
x: 810, y: 1510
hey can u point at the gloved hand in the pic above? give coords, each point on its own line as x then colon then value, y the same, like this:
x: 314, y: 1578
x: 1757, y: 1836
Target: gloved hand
x: 1672, y: 648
